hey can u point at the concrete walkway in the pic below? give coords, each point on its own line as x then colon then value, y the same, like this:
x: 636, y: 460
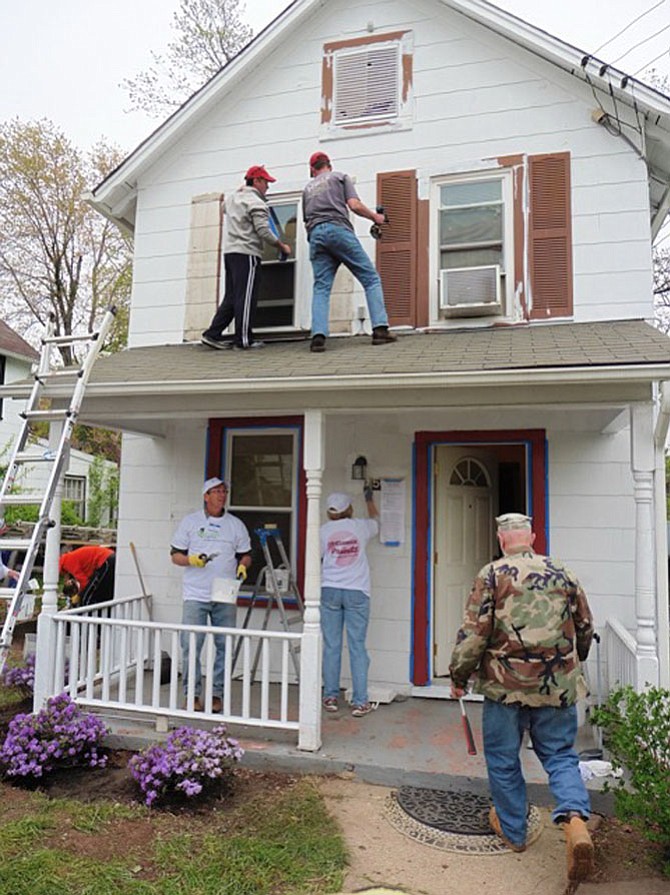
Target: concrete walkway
x: 381, y: 856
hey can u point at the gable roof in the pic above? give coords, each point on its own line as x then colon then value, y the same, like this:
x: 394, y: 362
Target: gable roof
x: 11, y: 343
x: 116, y: 196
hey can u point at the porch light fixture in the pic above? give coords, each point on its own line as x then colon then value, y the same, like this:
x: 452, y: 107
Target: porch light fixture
x: 359, y: 469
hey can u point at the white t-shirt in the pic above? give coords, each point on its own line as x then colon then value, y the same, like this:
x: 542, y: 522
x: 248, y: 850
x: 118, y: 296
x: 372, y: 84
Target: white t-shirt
x: 344, y: 563
x: 199, y: 533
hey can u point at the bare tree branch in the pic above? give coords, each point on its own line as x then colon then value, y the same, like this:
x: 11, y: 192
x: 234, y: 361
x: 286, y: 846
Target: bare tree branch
x: 57, y: 255
x: 209, y: 33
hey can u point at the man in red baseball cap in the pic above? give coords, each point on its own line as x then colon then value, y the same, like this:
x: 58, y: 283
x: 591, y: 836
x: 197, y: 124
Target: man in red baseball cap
x: 326, y: 202
x: 248, y: 227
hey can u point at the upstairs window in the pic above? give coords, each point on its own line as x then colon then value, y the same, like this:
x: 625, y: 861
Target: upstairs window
x: 276, y: 306
x: 473, y: 245
x: 367, y: 83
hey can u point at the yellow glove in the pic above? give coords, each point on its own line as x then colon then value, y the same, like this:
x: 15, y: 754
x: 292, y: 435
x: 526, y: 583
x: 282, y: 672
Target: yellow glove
x: 242, y: 572
x: 199, y: 560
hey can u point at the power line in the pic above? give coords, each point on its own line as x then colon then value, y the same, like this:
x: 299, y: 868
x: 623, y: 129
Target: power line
x: 629, y: 25
x: 640, y: 43
x: 651, y: 62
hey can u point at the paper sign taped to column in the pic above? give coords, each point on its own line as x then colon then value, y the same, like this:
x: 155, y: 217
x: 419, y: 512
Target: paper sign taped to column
x: 392, y: 512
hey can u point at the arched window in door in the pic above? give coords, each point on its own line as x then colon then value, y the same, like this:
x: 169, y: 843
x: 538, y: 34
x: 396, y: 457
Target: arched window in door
x: 469, y: 473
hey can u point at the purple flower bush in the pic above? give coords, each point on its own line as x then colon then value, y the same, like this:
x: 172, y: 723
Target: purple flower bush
x: 60, y: 735
x: 188, y: 760
x: 22, y: 677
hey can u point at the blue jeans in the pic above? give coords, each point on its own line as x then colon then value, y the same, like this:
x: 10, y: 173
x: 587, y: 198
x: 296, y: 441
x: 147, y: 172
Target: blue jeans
x: 341, y: 607
x: 552, y: 732
x: 220, y: 615
x: 329, y: 246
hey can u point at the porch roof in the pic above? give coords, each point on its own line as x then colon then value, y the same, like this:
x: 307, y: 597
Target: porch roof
x: 605, y: 350
x: 599, y: 368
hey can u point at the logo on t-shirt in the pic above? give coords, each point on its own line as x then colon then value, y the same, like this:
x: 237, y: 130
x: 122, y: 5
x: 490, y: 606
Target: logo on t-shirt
x: 344, y: 549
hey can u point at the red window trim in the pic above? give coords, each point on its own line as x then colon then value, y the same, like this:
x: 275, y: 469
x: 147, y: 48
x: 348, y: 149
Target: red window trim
x: 214, y: 466
x: 423, y: 442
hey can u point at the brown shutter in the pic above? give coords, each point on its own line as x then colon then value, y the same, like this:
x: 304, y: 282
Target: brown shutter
x: 396, y: 251
x: 550, y: 236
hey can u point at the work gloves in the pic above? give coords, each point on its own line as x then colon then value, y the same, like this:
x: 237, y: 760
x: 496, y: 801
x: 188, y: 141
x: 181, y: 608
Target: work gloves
x: 242, y: 572
x: 198, y: 560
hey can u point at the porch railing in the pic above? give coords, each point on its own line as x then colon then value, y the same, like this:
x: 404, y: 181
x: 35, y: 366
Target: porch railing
x: 621, y: 651
x: 110, y: 656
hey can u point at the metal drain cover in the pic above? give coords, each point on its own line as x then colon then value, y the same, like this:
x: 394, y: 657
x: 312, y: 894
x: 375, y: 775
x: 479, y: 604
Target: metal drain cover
x: 452, y: 811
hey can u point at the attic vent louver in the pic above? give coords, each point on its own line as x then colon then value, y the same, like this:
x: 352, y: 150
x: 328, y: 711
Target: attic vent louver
x: 367, y: 84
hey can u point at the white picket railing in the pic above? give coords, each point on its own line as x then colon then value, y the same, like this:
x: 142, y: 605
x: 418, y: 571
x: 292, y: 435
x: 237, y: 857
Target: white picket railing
x: 110, y: 656
x: 621, y: 650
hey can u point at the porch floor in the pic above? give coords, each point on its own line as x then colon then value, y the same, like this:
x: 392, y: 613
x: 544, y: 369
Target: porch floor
x: 416, y: 741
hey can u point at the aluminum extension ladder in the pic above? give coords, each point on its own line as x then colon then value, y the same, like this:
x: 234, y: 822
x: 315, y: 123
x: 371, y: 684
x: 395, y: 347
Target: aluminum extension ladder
x: 276, y: 589
x: 24, y: 453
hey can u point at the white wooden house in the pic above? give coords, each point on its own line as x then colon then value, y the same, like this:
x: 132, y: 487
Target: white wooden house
x: 524, y: 183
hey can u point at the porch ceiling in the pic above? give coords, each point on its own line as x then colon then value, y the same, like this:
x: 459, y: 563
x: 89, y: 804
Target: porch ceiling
x: 601, y: 363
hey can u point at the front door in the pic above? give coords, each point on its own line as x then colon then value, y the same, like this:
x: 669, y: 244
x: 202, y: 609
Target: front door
x: 465, y: 501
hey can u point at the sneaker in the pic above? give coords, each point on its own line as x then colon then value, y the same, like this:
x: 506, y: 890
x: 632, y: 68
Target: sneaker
x: 330, y: 704
x: 318, y: 343
x: 359, y: 710
x: 382, y: 336
x: 254, y: 344
x: 211, y: 342
x: 579, y: 848
x: 494, y: 823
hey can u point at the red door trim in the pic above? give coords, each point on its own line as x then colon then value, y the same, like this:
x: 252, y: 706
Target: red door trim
x: 423, y: 444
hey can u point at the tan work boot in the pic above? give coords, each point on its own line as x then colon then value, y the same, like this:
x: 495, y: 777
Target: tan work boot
x: 494, y: 823
x: 579, y: 848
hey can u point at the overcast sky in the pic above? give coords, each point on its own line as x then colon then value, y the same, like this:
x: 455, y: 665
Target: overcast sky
x: 65, y: 60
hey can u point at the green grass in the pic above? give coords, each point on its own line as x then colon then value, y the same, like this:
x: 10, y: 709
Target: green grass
x: 10, y: 697
x: 277, y: 843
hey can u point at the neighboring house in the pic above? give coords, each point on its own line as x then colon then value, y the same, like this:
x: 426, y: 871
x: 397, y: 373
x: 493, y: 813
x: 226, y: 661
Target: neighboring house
x: 524, y: 182
x: 17, y: 358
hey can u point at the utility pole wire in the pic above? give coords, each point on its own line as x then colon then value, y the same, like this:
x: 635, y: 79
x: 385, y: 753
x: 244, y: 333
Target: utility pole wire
x: 635, y: 46
x: 651, y: 62
x: 629, y: 25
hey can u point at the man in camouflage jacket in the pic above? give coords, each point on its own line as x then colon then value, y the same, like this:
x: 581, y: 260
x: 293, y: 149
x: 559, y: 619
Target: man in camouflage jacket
x: 527, y: 626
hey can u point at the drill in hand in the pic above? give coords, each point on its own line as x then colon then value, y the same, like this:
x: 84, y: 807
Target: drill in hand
x: 376, y: 229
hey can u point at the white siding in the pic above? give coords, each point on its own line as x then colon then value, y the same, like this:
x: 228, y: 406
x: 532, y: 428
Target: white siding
x: 476, y: 97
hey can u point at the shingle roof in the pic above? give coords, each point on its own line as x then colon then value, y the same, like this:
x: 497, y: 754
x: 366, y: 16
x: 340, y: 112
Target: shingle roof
x: 534, y: 347
x: 12, y: 343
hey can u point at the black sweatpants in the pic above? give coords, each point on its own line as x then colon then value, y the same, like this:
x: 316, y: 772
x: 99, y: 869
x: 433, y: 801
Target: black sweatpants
x: 100, y: 587
x: 239, y: 302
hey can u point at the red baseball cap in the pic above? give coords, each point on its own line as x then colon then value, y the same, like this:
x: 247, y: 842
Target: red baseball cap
x: 318, y: 157
x: 259, y: 171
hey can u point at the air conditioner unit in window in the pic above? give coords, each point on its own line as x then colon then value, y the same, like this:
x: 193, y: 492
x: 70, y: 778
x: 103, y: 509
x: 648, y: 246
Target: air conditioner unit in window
x: 471, y: 291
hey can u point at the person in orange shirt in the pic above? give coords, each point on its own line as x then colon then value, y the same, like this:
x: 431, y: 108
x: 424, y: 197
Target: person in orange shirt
x: 89, y: 574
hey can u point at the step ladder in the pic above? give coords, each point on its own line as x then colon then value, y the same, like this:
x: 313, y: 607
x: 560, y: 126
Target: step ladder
x: 25, y: 453
x: 277, y: 585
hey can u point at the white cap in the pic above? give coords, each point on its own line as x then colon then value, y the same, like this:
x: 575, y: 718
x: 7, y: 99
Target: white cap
x: 338, y: 502
x: 212, y: 483
x: 513, y: 521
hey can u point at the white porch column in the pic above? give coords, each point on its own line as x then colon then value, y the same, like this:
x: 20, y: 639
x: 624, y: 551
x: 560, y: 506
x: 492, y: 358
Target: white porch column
x: 309, y: 737
x: 642, y: 464
x: 45, y: 648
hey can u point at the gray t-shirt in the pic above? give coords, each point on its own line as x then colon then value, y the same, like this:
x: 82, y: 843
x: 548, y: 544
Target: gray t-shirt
x: 324, y: 200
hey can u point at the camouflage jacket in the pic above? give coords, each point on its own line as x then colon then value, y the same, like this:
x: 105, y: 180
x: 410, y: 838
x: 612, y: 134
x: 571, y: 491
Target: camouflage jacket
x: 527, y: 624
